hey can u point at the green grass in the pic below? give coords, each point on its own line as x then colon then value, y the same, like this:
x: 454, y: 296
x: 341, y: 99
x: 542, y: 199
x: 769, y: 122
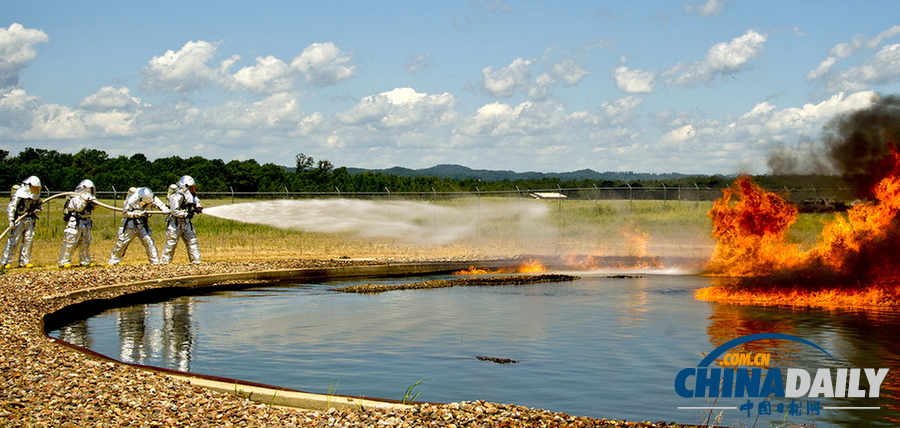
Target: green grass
x: 408, y: 396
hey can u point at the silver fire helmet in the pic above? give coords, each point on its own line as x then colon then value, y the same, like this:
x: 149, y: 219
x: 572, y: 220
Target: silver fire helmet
x: 145, y: 195
x: 34, y: 183
x: 85, y: 186
x: 187, y: 183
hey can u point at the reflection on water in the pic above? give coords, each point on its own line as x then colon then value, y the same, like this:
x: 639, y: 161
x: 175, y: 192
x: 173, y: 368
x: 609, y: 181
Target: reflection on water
x: 856, y: 338
x: 146, y: 334
x: 77, y: 333
x: 599, y: 346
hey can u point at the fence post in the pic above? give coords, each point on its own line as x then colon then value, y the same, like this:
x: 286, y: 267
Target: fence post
x: 630, y: 197
x: 518, y: 196
x: 559, y: 205
x: 47, y: 217
x: 287, y: 194
x: 232, y: 194
x: 434, y: 196
x: 698, y: 195
x: 338, y: 191
x: 115, y: 196
x: 665, y: 196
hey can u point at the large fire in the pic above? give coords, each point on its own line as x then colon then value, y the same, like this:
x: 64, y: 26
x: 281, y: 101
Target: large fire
x: 750, y: 226
x: 856, y: 261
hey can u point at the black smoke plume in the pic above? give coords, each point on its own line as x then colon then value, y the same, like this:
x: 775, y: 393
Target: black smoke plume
x: 859, y: 143
x: 855, y: 145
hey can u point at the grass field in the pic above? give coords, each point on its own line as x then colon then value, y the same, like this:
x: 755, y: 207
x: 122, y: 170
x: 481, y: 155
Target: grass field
x: 603, y: 228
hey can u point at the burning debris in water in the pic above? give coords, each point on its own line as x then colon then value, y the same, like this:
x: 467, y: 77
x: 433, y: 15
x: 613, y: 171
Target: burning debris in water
x: 856, y: 261
x: 579, y: 262
x: 527, y: 266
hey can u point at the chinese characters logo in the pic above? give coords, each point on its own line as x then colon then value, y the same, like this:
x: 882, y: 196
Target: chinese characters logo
x: 741, y: 375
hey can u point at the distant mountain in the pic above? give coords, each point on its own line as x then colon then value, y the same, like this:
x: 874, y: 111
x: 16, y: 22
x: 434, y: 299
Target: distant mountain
x: 459, y: 172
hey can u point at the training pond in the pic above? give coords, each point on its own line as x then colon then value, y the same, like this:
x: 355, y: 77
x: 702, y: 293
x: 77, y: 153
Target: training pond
x: 607, y: 346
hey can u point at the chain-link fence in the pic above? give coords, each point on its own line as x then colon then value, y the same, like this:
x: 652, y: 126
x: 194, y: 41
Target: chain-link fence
x: 627, y: 193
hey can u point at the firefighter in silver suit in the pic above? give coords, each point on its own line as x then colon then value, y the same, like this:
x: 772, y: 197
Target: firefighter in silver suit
x: 77, y: 214
x: 183, y: 204
x: 21, y: 212
x: 136, y: 224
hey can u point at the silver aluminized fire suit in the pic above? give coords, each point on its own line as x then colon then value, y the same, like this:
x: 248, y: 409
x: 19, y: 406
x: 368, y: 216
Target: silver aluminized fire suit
x: 183, y: 204
x: 135, y: 223
x: 78, y: 225
x: 22, y: 215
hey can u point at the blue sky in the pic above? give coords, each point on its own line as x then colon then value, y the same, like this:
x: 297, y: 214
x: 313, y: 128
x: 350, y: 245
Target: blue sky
x: 705, y: 87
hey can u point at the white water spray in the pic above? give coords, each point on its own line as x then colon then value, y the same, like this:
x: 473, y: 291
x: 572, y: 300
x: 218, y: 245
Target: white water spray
x: 414, y: 222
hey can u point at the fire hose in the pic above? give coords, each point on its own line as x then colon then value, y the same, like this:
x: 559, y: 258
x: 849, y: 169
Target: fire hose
x: 69, y: 194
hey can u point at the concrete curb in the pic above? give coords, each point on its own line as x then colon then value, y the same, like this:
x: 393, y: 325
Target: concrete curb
x: 290, y: 398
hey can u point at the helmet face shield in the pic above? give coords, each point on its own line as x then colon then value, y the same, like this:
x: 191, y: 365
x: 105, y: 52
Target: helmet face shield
x: 34, y: 183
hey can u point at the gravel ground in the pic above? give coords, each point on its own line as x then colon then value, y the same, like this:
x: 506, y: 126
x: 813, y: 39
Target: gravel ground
x: 44, y: 384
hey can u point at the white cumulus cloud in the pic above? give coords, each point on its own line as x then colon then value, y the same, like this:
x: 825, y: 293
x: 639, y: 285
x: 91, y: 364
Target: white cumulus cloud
x: 508, y: 80
x: 846, y: 49
x: 324, y: 64
x: 109, y: 98
x: 190, y: 69
x: 751, y: 136
x: 882, y: 69
x: 620, y: 110
x: 269, y: 75
x: 722, y: 60
x: 401, y: 108
x: 516, y: 78
x: 569, y: 71
x: 16, y: 50
x: 634, y: 81
x: 183, y: 71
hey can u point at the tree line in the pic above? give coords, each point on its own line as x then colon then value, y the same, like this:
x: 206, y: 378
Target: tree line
x: 63, y: 171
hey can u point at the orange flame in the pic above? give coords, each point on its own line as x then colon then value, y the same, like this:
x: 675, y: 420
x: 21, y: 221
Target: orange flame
x: 635, y: 240
x: 751, y: 231
x: 472, y: 270
x: 855, y: 262
x: 530, y: 266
